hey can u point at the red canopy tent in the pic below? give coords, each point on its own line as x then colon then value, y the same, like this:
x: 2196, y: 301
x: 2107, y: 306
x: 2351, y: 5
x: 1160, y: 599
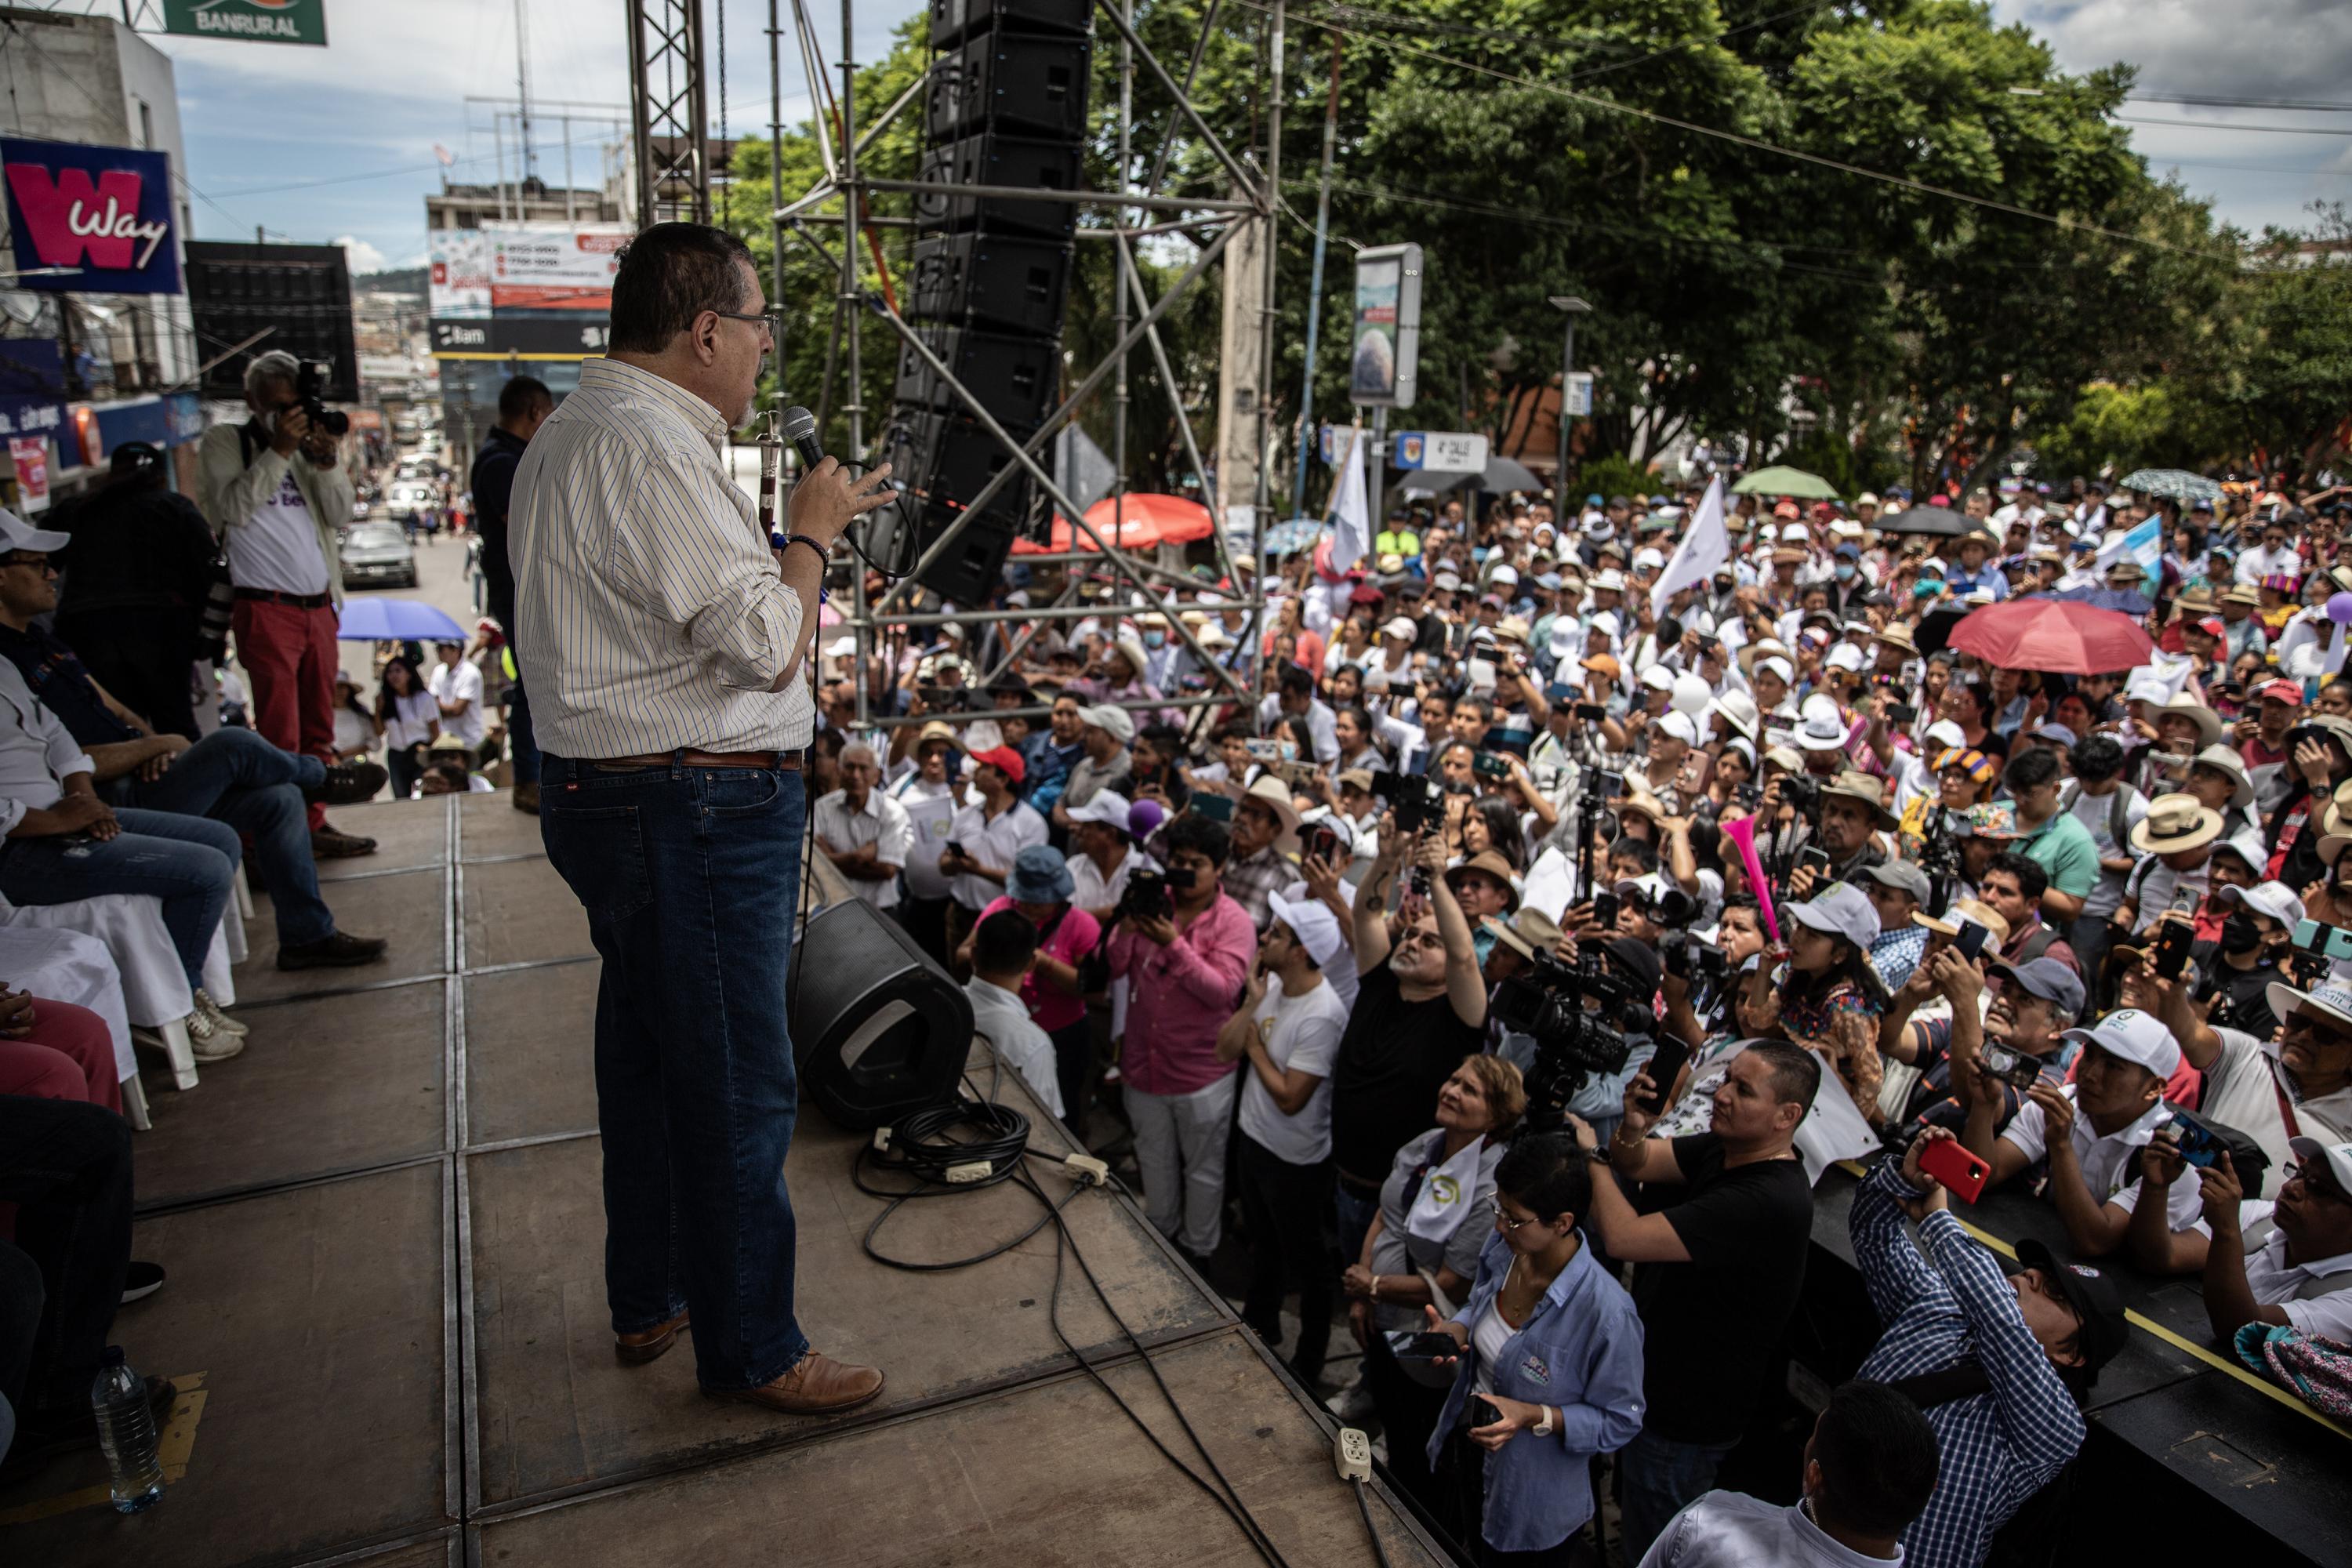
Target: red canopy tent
x: 1145, y: 521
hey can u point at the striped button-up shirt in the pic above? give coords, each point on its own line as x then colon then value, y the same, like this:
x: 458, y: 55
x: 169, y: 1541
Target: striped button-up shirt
x: 649, y: 614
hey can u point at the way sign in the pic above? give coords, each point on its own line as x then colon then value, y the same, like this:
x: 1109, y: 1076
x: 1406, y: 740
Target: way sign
x: 1440, y: 451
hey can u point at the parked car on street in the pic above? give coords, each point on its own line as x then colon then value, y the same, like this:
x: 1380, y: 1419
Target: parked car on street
x: 378, y: 556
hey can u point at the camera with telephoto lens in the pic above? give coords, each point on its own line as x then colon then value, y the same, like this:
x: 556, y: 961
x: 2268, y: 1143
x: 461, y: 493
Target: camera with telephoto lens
x: 1801, y: 793
x: 1579, y: 1014
x: 309, y: 383
x: 1416, y: 800
x: 1150, y: 893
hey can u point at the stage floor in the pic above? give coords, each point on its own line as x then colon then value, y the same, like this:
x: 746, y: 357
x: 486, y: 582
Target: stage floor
x: 383, y: 1233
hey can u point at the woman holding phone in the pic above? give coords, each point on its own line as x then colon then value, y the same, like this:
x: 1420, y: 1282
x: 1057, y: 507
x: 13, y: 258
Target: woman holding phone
x: 1548, y: 1371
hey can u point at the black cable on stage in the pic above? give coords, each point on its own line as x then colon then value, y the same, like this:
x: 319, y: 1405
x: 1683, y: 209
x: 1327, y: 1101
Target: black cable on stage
x: 1378, y: 1551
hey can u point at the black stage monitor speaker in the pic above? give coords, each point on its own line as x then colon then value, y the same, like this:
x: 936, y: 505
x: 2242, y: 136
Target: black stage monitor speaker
x: 972, y: 564
x: 946, y: 458
x: 995, y: 158
x: 1014, y: 377
x: 953, y: 20
x: 990, y: 281
x: 1013, y: 82
x: 879, y: 1030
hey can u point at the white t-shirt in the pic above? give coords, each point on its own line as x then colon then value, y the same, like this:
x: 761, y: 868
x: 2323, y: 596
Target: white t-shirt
x: 2097, y: 814
x: 1732, y: 1530
x: 1301, y: 1035
x: 410, y: 722
x: 353, y: 730
x: 277, y: 547
x: 451, y: 682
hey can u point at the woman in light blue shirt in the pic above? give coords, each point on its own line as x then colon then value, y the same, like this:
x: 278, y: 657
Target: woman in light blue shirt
x: 1554, y: 1344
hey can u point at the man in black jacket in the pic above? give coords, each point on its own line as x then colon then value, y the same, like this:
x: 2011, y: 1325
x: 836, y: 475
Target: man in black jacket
x: 524, y: 405
x: 139, y: 567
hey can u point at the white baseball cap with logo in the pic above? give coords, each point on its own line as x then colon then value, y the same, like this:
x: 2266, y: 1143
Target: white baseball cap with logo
x: 1312, y: 922
x: 2136, y: 1036
x: 2275, y: 900
x: 2334, y: 1001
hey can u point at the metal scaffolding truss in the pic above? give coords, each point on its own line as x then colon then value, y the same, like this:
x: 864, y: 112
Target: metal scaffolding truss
x: 841, y: 143
x: 668, y: 117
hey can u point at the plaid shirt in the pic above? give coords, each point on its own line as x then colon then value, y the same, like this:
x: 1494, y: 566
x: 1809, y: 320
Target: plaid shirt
x: 1999, y: 1448
x: 1247, y: 882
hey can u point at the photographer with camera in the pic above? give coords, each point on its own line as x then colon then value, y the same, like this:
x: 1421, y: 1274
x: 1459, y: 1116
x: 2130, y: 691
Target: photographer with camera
x: 1421, y: 1007
x: 1185, y: 949
x: 1978, y: 1056
x: 1728, y: 1245
x: 274, y: 489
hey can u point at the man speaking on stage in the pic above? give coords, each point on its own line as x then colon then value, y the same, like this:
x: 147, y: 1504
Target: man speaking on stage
x: 662, y: 640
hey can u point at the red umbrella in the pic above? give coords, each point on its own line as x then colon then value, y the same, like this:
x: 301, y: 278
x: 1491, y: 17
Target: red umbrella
x: 2055, y: 635
x: 1145, y: 521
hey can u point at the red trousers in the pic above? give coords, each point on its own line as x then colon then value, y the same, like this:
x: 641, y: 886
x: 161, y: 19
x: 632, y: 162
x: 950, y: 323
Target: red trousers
x: 289, y: 658
x: 68, y: 1055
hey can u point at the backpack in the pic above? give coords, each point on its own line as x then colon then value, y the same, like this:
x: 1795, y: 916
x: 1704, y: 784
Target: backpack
x: 2118, y: 810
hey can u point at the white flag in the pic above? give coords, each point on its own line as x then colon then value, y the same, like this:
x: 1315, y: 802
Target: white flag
x: 1351, y: 509
x: 1705, y: 545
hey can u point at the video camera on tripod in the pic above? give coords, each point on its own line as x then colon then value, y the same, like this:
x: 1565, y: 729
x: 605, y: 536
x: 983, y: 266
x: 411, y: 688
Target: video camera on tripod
x: 1579, y: 1014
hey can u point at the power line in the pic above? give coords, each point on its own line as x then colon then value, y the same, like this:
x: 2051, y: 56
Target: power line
x: 2225, y: 125
x: 1902, y: 182
x: 2198, y: 100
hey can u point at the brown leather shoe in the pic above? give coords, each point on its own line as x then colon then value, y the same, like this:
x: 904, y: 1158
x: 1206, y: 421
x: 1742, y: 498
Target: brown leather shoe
x: 648, y: 1344
x: 819, y: 1386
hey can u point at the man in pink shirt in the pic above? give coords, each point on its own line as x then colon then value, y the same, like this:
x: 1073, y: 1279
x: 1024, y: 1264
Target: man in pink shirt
x: 1185, y: 966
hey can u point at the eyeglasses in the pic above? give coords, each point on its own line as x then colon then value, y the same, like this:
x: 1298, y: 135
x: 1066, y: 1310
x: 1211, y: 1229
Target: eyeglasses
x: 2316, y: 1183
x: 38, y: 563
x: 763, y: 320
x: 1510, y: 1226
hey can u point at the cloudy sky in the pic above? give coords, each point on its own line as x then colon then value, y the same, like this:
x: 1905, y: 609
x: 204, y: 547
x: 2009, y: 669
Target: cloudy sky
x: 338, y: 143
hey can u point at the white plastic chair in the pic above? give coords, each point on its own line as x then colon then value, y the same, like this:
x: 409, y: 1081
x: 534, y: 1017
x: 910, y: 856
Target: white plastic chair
x: 61, y: 965
x: 154, y: 990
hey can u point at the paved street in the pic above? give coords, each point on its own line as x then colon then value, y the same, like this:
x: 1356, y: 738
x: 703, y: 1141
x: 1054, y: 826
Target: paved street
x: 442, y: 581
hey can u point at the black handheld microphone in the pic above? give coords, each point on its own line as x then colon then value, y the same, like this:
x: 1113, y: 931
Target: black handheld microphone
x: 798, y: 426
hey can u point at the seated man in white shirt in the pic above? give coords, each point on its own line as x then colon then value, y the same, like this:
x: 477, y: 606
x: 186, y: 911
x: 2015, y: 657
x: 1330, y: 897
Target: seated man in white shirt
x: 2287, y: 1264
x: 1001, y: 948
x: 2091, y: 1131
x: 865, y: 832
x: 1870, y: 1468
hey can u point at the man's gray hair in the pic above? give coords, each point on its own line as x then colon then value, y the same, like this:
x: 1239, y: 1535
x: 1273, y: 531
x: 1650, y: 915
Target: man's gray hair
x: 275, y: 366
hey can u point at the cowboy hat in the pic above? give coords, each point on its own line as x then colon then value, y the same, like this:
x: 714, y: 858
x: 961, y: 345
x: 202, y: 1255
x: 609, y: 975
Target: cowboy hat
x: 1738, y: 709
x: 1489, y: 863
x: 1762, y: 647
x: 2174, y: 823
x: 2208, y: 722
x: 1275, y: 795
x: 1897, y: 635
x: 1529, y: 933
x: 1967, y: 909
x: 1856, y: 786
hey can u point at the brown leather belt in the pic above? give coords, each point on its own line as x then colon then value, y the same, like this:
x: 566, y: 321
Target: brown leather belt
x: 773, y: 762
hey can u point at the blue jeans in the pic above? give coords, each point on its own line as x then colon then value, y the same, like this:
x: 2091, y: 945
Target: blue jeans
x: 1657, y: 1477
x: 236, y: 778
x: 189, y: 862
x: 524, y: 743
x: 1354, y: 1211
x: 690, y: 876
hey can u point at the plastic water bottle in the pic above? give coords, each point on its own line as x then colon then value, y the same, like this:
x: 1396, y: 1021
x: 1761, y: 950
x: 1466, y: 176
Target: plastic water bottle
x: 126, y: 1434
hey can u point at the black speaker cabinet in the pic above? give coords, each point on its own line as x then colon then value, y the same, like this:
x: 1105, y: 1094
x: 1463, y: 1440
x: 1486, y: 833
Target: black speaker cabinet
x: 943, y: 458
x: 1010, y: 81
x: 954, y: 20
x: 1014, y: 377
x: 1009, y: 283
x: 998, y: 158
x: 879, y: 1030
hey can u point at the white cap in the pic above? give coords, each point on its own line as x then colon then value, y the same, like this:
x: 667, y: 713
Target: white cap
x: 1647, y: 559
x: 1606, y: 621
x: 2338, y: 1160
x: 1509, y: 574
x: 1846, y: 655
x: 1110, y: 717
x: 1681, y: 726
x: 1866, y: 499
x: 1778, y: 665
x: 1401, y: 627
x: 16, y: 533
x: 2149, y: 687
x: 2136, y: 1036
x: 1106, y: 806
x: 1565, y: 636
x: 2247, y: 845
x: 2275, y: 900
x: 1312, y: 922
x: 1608, y: 577
x: 1841, y: 910
x: 1447, y: 579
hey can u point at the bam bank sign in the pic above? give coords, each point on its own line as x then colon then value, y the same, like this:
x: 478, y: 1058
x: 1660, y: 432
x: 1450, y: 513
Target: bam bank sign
x: 103, y: 212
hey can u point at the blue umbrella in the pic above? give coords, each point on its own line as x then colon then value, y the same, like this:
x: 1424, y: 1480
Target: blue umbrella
x: 396, y: 620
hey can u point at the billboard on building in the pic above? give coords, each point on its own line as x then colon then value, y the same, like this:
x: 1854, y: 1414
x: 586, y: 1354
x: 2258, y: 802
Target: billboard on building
x: 297, y: 297
x: 249, y: 21
x: 457, y: 279
x: 92, y: 220
x: 553, y: 267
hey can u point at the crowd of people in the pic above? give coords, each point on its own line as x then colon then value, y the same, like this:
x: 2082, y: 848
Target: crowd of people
x: 1500, y: 940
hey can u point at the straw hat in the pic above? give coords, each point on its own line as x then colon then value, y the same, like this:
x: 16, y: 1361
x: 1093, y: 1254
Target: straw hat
x: 1897, y: 635
x: 1529, y: 933
x: 1274, y: 795
x: 2174, y: 823
x: 1967, y: 909
x: 1491, y: 863
x: 2223, y: 759
x: 2209, y: 723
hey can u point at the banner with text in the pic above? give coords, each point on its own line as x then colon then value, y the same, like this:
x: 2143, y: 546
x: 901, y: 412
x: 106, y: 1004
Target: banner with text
x: 249, y: 21
x: 98, y: 220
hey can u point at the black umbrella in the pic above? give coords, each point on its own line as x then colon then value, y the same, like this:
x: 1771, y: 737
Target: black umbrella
x: 1935, y: 631
x: 1503, y: 474
x: 1936, y: 519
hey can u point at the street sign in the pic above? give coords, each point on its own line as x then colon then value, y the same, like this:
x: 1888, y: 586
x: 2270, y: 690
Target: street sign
x: 1580, y: 394
x: 249, y: 21
x: 1440, y: 451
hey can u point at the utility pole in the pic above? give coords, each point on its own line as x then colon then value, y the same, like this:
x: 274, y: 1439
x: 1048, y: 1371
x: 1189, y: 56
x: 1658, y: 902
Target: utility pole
x: 522, y: 92
x: 1315, y: 285
x: 1572, y: 307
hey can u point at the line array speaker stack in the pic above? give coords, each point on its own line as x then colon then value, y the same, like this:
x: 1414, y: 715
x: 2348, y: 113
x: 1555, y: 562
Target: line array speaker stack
x: 991, y: 275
